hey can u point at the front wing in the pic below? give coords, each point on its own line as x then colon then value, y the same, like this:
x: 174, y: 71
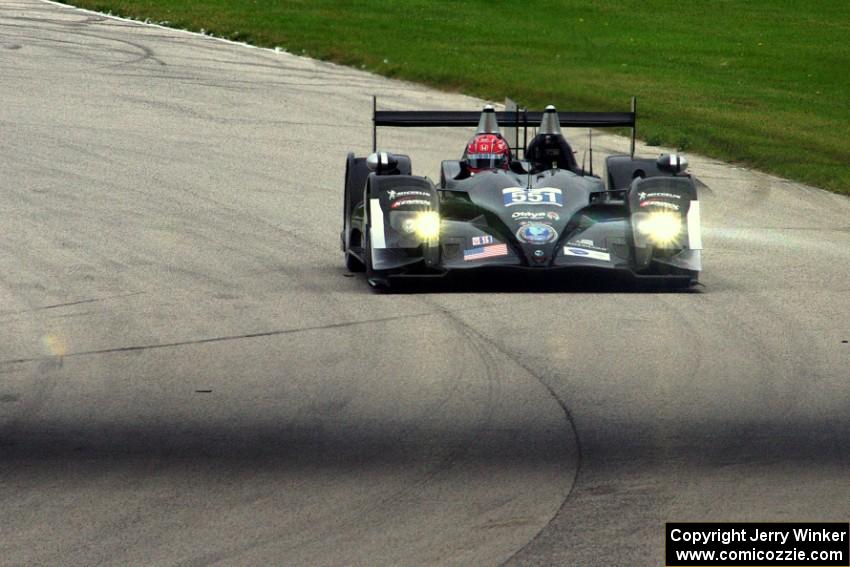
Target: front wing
x: 601, y: 236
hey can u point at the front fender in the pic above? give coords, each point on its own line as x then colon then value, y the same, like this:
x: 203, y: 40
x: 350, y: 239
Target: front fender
x: 674, y: 196
x: 394, y: 205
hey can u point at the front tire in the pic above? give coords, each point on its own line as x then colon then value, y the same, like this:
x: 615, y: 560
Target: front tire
x: 353, y: 264
x: 356, y: 174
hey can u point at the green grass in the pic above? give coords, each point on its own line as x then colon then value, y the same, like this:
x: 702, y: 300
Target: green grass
x: 763, y: 83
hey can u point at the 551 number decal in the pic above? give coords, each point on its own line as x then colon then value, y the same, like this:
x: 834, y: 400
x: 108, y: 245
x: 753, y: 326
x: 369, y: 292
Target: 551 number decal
x: 538, y: 196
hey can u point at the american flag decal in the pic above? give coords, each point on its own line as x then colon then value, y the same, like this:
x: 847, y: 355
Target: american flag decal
x: 485, y: 252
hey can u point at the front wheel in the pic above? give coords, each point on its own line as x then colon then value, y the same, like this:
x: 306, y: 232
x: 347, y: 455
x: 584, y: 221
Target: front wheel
x: 353, y: 264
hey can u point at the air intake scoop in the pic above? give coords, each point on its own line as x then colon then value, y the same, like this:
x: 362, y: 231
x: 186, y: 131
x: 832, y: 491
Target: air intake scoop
x: 551, y: 122
x: 488, y: 124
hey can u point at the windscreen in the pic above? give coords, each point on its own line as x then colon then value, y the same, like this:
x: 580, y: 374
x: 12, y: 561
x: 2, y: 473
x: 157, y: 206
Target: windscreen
x: 487, y: 161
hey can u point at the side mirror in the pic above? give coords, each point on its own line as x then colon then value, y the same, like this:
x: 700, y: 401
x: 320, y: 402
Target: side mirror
x: 381, y: 161
x: 673, y: 163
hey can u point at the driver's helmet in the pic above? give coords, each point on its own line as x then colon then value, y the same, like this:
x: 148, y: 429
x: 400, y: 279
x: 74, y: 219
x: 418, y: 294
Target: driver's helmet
x: 487, y: 151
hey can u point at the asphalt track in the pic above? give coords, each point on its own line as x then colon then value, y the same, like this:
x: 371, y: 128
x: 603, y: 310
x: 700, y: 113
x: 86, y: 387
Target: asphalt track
x: 189, y: 377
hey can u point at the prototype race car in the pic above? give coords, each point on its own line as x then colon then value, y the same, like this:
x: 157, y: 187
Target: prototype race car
x: 540, y: 213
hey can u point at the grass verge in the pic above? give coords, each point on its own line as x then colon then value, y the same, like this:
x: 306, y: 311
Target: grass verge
x: 762, y: 83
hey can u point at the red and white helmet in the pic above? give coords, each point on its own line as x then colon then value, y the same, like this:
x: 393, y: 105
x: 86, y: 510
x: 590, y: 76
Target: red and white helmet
x: 487, y: 151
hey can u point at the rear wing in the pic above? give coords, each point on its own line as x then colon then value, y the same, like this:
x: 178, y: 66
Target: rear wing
x: 519, y: 118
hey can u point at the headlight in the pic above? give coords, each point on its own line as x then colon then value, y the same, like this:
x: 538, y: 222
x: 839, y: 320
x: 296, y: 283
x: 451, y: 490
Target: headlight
x: 661, y: 228
x: 408, y: 225
x: 426, y: 225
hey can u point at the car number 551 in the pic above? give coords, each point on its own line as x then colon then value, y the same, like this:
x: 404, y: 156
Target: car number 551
x: 539, y: 196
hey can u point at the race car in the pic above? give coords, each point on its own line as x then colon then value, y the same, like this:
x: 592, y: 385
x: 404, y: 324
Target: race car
x: 541, y: 213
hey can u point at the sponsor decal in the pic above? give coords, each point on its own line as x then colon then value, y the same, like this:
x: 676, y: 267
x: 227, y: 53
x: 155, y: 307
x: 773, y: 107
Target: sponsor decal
x: 586, y: 243
x: 536, y: 233
x: 553, y: 216
x: 393, y: 194
x: 406, y: 202
x: 485, y: 252
x: 644, y: 195
x: 482, y: 240
x: 661, y: 204
x: 596, y: 255
x: 537, y: 196
x: 528, y: 215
